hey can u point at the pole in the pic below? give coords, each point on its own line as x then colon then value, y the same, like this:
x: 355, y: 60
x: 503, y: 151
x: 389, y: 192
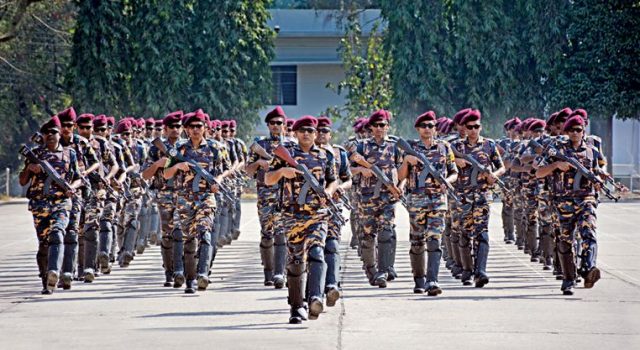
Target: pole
x: 8, y: 180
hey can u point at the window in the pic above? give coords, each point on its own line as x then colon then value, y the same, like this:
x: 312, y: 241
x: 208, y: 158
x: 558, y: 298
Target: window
x: 285, y: 85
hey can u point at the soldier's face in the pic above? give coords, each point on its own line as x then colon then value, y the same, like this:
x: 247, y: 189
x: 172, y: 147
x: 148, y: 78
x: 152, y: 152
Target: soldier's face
x: 306, y: 136
x: 379, y: 129
x: 157, y: 132
x: 426, y: 129
x: 225, y: 133
x: 101, y: 131
x: 85, y: 130
x: 575, y: 133
x: 461, y: 130
x: 51, y: 137
x: 323, y: 136
x: 173, y: 131
x: 276, y: 125
x: 196, y: 129
x: 67, y: 129
x: 473, y: 129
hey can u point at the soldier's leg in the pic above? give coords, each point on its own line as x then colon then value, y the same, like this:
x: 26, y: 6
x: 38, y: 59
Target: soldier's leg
x: 58, y: 221
x: 417, y: 220
x: 144, y: 220
x: 332, y: 258
x: 507, y: 218
x: 367, y: 239
x: 224, y: 222
x: 131, y: 226
x: 279, y: 255
x: 586, y: 224
x: 69, y: 259
x: 93, y: 213
x: 178, y: 256
x: 315, y: 236
x: 40, y: 213
x: 532, y: 225
x: 518, y: 207
x: 434, y: 233
x: 165, y: 206
x: 265, y: 215
x: 481, y: 235
x: 237, y: 214
x: 107, y: 219
x: 386, y: 243
x: 466, y: 238
x: 456, y: 232
x: 204, y: 222
x: 296, y: 268
x: 155, y: 232
x: 546, y: 228
x: 565, y: 245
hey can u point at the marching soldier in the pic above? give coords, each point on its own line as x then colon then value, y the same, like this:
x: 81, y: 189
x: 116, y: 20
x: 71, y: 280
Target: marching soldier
x: 272, y: 242
x: 575, y: 198
x: 50, y: 199
x: 243, y: 153
x: 475, y: 206
x: 197, y: 201
x: 505, y: 146
x: 377, y: 202
x: 305, y: 217
x: 427, y: 202
x: 332, y: 246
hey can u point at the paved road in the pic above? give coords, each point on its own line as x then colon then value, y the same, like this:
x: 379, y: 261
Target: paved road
x: 522, y: 307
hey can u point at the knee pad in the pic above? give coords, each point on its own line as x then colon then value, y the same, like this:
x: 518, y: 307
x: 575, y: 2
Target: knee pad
x: 205, y: 238
x: 316, y: 254
x: 134, y: 224
x: 55, y: 236
x: 176, y: 234
x: 71, y: 237
x: 280, y: 239
x: 167, y: 243
x: 295, y: 268
x: 266, y: 242
x: 332, y: 246
x: 433, y: 245
x: 190, y: 246
x: 386, y: 236
x: 105, y: 226
x: 564, y: 247
x: 483, y: 237
x: 416, y: 249
x: 367, y: 242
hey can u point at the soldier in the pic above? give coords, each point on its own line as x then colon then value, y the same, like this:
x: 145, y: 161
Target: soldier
x: 575, y: 197
x: 158, y: 129
x: 273, y: 251
x: 226, y: 223
x: 332, y: 246
x: 475, y: 206
x: 243, y: 153
x: 111, y: 163
x: 505, y: 146
x: 166, y: 199
x: 290, y: 133
x: 377, y: 203
x: 456, y: 209
x: 49, y: 202
x: 197, y: 201
x: 427, y: 202
x: 305, y: 224
x: 360, y: 134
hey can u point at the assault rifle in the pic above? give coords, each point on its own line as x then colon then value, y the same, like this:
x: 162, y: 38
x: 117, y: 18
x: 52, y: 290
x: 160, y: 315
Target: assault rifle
x: 95, y: 177
x: 47, y: 168
x: 582, y: 171
x: 310, y: 182
x: 383, y: 179
x: 428, y: 169
x: 478, y: 169
x: 207, y: 176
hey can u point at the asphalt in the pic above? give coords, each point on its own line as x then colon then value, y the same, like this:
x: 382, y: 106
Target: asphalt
x: 521, y: 308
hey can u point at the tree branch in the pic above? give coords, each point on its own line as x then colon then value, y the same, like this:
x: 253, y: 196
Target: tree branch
x: 15, y: 21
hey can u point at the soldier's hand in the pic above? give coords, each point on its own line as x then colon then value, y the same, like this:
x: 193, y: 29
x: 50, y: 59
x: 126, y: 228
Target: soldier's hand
x: 411, y: 159
x: 366, y: 173
x: 491, y: 178
x: 563, y: 166
x: 34, y: 168
x: 215, y: 188
x: 70, y: 193
x: 264, y: 164
x: 184, y: 166
x: 290, y: 173
x: 461, y: 163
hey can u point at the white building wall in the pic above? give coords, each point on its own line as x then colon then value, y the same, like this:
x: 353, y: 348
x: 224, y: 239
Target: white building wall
x: 626, y: 148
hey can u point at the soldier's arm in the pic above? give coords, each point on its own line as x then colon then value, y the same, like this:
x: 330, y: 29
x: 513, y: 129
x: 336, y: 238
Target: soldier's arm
x: 25, y: 175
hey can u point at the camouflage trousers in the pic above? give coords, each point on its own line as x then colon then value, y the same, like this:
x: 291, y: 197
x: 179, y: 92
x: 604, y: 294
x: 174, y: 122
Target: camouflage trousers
x: 129, y: 223
x: 50, y: 219
x: 267, y: 213
x: 508, y: 214
x: 354, y: 219
x: 530, y: 221
x: 170, y: 227
x: 546, y: 216
x: 456, y: 229
x: 197, y: 212
x: 519, y: 216
x: 427, y: 217
x: 89, y: 235
x: 71, y: 236
x: 377, y: 235
x: 303, y: 230
x: 578, y: 214
x: 475, y: 227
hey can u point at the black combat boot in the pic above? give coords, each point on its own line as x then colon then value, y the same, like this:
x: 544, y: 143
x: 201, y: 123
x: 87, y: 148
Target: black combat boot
x: 434, y: 254
x: 418, y: 264
x: 280, y: 260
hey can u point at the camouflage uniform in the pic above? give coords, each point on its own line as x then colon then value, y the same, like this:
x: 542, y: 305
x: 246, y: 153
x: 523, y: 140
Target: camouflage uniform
x: 50, y: 207
x: 305, y: 225
x: 236, y: 209
x: 101, y: 214
x: 507, y: 198
x: 428, y: 205
x: 273, y: 250
x: 196, y: 207
x: 166, y: 200
x: 576, y: 202
x: 455, y: 225
x: 377, y: 211
x: 529, y: 185
x: 355, y: 201
x: 332, y: 244
x: 518, y: 199
x: 475, y: 209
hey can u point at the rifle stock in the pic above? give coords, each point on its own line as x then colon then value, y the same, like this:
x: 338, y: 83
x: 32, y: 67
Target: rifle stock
x: 478, y: 169
x: 46, y: 167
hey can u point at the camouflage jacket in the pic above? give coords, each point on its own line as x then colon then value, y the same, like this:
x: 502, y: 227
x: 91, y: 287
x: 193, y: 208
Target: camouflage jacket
x: 209, y: 155
x: 441, y: 157
x: 486, y: 153
x: 386, y: 156
x: 65, y: 162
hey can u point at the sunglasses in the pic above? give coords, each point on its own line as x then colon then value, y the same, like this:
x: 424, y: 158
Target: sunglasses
x: 101, y: 129
x: 149, y: 129
x: 426, y: 125
x: 307, y: 130
x: 173, y: 126
x: 276, y: 123
x: 289, y: 129
x: 379, y: 125
x: 471, y: 127
x: 50, y: 132
x: 159, y: 129
x: 232, y: 130
x: 576, y: 130
x: 67, y: 125
x: 324, y: 130
x: 224, y: 131
x: 126, y: 134
x: 196, y: 126
x: 84, y: 127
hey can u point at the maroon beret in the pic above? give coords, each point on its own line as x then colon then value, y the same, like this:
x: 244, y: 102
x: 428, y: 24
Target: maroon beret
x: 124, y: 125
x: 361, y: 125
x: 552, y: 118
x: 51, y: 124
x: 149, y: 122
x: 303, y: 121
x: 85, y: 118
x: 197, y: 116
x: 100, y: 120
x: 537, y: 125
x: 473, y: 116
x: 173, y: 118
x: 158, y: 123
x: 233, y: 124
x: 111, y: 121
x: 216, y: 123
x: 379, y: 115
x: 357, y: 122
x: 324, y: 122
x: 424, y: 117
x: 582, y: 113
x: 461, y: 113
x: 68, y: 115
x: 225, y: 124
x: 290, y: 122
x: 276, y: 112
x: 573, y: 121
x: 563, y: 115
